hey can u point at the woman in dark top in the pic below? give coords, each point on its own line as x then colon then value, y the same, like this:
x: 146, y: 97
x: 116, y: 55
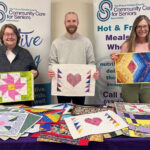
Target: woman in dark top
x: 12, y: 56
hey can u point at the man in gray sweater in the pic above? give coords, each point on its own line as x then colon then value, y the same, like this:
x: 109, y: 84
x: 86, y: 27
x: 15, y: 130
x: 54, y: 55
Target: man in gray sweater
x: 71, y: 48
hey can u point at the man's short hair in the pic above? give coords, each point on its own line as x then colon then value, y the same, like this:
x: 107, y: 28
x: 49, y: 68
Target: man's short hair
x: 71, y: 12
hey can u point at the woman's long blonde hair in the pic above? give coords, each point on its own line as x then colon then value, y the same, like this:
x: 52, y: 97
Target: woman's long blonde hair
x: 133, y: 36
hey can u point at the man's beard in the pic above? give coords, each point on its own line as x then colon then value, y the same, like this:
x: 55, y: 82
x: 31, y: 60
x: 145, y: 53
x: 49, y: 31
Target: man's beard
x: 71, y: 29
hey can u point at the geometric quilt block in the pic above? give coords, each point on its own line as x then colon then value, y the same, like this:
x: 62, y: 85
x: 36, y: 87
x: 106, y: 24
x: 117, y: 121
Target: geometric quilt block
x: 133, y: 133
x: 142, y: 72
x: 135, y: 108
x: 11, y: 123
x: 138, y: 122
x: 137, y: 116
x: 133, y: 67
x: 123, y: 68
x: 16, y: 86
x: 73, y: 80
x: 48, y: 115
x: 94, y: 123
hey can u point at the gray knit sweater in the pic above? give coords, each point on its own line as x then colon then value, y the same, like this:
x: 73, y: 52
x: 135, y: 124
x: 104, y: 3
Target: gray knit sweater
x: 66, y: 50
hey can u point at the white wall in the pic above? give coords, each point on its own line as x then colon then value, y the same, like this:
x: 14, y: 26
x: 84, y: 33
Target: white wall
x: 84, y: 9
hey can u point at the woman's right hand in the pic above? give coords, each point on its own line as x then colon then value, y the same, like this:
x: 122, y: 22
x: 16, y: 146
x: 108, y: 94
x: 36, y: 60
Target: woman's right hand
x: 114, y: 56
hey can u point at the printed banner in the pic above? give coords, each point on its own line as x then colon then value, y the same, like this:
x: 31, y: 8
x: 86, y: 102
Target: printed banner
x: 113, y: 20
x: 32, y: 18
x: 133, y: 68
x: 73, y: 80
x: 16, y: 86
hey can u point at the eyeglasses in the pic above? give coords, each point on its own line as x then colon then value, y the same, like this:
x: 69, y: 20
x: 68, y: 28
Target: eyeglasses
x: 142, y: 27
x: 9, y: 34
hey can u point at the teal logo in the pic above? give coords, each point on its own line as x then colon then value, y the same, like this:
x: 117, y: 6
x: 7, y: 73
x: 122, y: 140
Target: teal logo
x: 104, y: 11
x: 3, y: 11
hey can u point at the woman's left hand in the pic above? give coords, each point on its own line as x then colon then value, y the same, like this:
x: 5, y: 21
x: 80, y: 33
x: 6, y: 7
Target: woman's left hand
x: 34, y: 73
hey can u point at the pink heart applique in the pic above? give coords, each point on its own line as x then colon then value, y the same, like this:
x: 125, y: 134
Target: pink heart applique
x: 2, y: 123
x: 94, y: 121
x: 73, y: 79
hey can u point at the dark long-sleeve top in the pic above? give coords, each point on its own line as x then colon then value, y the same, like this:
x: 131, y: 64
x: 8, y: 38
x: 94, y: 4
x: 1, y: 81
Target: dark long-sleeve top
x: 22, y: 62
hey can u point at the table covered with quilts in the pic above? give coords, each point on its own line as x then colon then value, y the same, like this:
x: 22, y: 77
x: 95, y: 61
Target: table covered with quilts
x: 66, y: 126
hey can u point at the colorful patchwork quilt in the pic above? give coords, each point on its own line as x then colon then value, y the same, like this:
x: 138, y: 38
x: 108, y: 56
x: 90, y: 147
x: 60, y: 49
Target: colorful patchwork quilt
x: 60, y: 133
x: 137, y: 116
x: 16, y: 86
x: 138, y: 122
x: 133, y: 68
x: 135, y: 108
x: 133, y: 133
x: 48, y: 115
x: 113, y: 134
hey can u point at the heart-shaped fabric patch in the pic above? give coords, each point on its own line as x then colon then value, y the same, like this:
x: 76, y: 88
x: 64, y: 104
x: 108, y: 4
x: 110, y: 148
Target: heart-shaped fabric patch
x: 94, y: 121
x: 73, y: 79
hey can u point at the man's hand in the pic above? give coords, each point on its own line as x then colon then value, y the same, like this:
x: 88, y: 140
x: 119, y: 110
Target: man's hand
x: 96, y: 75
x: 51, y: 74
